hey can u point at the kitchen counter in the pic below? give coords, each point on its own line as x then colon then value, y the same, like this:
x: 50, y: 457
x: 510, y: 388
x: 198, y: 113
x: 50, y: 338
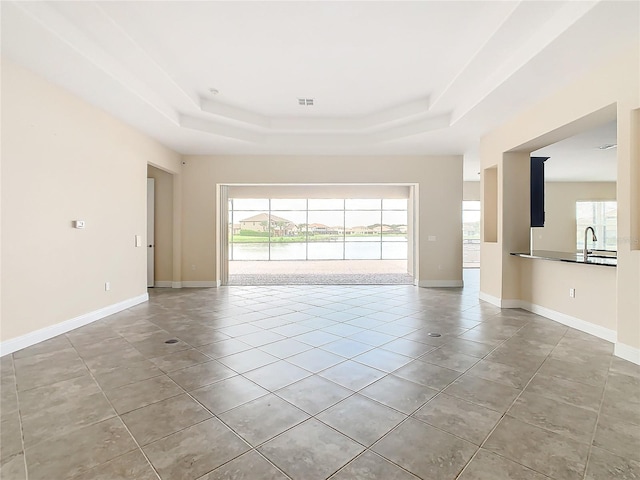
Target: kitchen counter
x: 569, y: 257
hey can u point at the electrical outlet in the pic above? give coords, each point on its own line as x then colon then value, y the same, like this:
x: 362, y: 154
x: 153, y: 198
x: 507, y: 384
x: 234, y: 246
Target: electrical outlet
x: 572, y: 292
x: 107, y: 286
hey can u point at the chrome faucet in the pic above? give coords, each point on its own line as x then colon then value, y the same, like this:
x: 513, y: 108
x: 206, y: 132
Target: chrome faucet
x: 585, y: 251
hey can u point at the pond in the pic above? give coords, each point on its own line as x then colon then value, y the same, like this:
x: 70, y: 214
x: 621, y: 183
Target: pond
x: 362, y: 249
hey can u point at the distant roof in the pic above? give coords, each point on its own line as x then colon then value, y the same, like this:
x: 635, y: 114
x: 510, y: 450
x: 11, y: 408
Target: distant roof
x: 264, y: 217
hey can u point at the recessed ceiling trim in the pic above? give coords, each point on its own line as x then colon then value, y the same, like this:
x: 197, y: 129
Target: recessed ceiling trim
x: 220, y: 129
x: 558, y: 24
x: 330, y: 133
x: 399, y: 113
x: 234, y: 113
x: 117, y: 56
x: 56, y: 24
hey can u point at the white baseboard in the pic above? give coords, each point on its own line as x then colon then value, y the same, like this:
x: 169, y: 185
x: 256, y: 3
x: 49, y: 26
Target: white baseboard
x: 499, y: 302
x: 573, y: 322
x: 511, y: 303
x: 18, y: 343
x: 163, y: 284
x: 628, y: 353
x: 440, y: 283
x: 200, y: 284
x: 485, y: 297
x: 195, y: 284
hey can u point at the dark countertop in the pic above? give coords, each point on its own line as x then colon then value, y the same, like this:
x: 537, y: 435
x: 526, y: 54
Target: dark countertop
x: 569, y: 257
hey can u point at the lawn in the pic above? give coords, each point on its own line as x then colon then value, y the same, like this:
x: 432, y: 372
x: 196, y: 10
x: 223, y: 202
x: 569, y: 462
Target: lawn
x: 303, y: 238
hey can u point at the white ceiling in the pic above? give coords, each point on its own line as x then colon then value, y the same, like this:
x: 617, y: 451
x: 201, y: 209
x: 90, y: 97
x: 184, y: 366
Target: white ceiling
x: 386, y: 77
x: 580, y: 158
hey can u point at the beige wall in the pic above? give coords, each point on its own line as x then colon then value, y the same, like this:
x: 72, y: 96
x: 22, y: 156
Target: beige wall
x: 163, y: 225
x: 547, y: 284
x: 471, y: 191
x: 440, y: 202
x: 319, y: 191
x: 608, y: 92
x: 65, y: 160
x: 559, y: 231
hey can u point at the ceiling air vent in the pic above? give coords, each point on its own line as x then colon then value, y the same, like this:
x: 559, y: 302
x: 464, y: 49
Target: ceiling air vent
x: 308, y: 102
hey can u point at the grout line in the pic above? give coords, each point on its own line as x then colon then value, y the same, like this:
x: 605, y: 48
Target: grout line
x: 153, y: 468
x: 19, y: 412
x: 291, y: 303
x: 508, y: 408
x: 595, y: 427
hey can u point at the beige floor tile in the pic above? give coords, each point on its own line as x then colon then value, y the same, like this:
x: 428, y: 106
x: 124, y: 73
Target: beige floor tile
x: 143, y: 393
x: 247, y: 360
x: 486, y: 465
x: 228, y: 394
x: 567, y: 391
x: 250, y: 466
x: 603, y: 464
x: 425, y: 451
x: 452, y: 360
x: 541, y: 450
x: 132, y: 465
x: 459, y: 417
x: 263, y: 418
x: 179, y: 360
x: 399, y: 394
x: 370, y: 466
x: 483, y: 392
x: 619, y: 437
x: 315, y: 360
x: 310, y: 451
x: 361, y: 419
x: 314, y: 394
x: 200, y: 375
x: 91, y: 446
x: 352, y: 375
x: 195, y: 451
x: 13, y: 467
x: 427, y: 374
x: 158, y: 420
x: 573, y: 422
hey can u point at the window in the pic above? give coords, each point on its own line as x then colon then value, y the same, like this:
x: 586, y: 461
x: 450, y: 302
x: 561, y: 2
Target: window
x: 318, y: 229
x: 603, y: 217
x: 471, y: 233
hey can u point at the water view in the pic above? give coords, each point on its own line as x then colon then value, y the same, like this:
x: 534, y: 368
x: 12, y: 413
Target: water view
x: 354, y: 249
x: 317, y: 229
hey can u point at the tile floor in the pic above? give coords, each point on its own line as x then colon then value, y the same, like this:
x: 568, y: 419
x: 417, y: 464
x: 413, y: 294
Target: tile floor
x: 316, y: 382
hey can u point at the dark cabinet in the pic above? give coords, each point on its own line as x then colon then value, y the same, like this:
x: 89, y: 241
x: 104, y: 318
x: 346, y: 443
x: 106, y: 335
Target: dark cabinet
x: 537, y: 191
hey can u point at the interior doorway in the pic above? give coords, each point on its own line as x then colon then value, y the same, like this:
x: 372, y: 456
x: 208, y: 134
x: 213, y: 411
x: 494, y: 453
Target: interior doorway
x: 471, y: 234
x: 160, y: 213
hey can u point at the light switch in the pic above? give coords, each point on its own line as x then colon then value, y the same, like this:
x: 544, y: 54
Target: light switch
x: 78, y: 224
x: 138, y: 240
x: 431, y: 238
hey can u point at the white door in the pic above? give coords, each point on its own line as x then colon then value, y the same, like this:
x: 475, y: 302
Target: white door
x: 150, y: 231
